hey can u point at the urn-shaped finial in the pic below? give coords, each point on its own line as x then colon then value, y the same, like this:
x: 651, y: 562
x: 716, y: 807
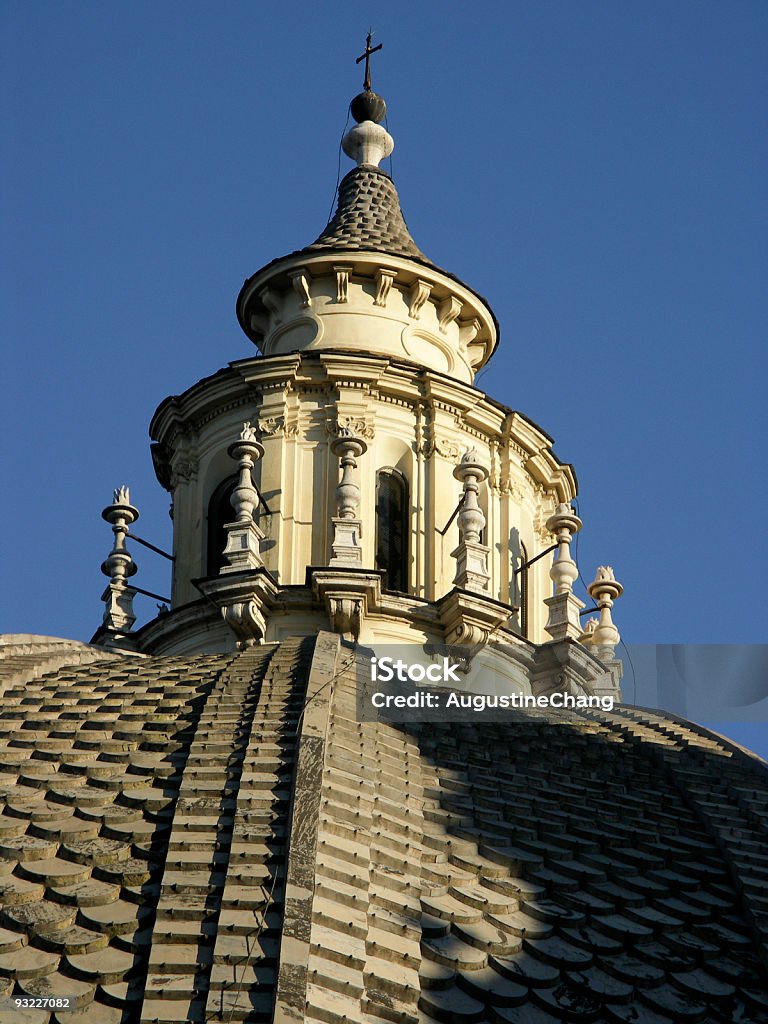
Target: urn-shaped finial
x: 604, y: 589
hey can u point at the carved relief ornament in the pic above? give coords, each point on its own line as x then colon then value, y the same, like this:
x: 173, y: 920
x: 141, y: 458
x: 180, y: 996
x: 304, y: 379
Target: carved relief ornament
x: 271, y: 425
x: 420, y: 292
x: 183, y: 469
x: 356, y: 424
x: 447, y: 449
x: 384, y: 279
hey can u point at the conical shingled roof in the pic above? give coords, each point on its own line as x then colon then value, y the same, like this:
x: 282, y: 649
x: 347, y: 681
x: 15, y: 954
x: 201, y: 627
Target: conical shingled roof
x: 368, y: 216
x: 218, y: 838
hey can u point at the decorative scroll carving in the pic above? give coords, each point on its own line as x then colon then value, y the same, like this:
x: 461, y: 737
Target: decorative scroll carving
x: 448, y: 449
x: 515, y: 491
x: 384, y: 279
x: 447, y: 312
x: 420, y: 291
x: 540, y: 528
x: 247, y: 622
x: 342, y: 282
x: 269, y: 301
x: 245, y: 601
x: 469, y: 634
x: 345, y: 614
x: 471, y: 620
x: 300, y: 283
x: 271, y: 425
x: 348, y: 596
x: 356, y: 424
x: 183, y: 469
x: 468, y: 331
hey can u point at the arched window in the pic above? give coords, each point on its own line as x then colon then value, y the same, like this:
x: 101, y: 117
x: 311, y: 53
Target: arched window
x: 219, y: 512
x: 392, y: 514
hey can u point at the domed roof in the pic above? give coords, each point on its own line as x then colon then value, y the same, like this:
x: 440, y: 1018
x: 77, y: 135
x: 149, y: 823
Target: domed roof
x: 218, y: 838
x: 368, y: 217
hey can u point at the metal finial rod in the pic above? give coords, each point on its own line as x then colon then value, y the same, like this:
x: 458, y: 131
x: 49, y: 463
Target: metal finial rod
x: 367, y: 58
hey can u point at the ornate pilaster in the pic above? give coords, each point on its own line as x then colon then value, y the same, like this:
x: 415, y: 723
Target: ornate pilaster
x: 347, y: 527
x: 471, y: 556
x: 119, y: 564
x: 563, y: 606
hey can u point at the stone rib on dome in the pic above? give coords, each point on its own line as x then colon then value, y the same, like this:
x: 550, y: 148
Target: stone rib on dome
x: 169, y: 822
x: 368, y: 216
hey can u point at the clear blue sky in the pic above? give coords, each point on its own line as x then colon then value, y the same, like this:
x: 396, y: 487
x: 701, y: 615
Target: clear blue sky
x: 597, y: 170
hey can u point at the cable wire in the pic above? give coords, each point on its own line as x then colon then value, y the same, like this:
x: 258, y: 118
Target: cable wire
x: 629, y: 656
x: 391, y: 169
x: 260, y: 928
x: 338, y: 167
x: 576, y: 548
x: 632, y: 667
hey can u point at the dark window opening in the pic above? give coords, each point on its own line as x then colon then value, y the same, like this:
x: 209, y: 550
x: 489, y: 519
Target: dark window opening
x: 219, y: 512
x: 392, y: 514
x: 523, y: 592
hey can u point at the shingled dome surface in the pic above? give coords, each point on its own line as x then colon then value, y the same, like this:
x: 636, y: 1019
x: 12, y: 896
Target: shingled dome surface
x: 216, y: 837
x: 368, y: 216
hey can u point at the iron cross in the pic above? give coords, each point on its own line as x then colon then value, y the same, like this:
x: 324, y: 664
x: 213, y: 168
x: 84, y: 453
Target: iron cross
x: 367, y: 58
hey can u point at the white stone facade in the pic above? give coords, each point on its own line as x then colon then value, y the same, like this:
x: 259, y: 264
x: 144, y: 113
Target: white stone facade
x: 369, y: 302
x: 413, y: 420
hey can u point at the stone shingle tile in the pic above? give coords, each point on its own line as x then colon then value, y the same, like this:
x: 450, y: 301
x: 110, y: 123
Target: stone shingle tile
x: 28, y: 962
x: 368, y: 217
x: 579, y: 807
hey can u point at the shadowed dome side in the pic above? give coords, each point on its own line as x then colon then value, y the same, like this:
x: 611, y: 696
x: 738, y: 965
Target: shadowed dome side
x: 368, y: 216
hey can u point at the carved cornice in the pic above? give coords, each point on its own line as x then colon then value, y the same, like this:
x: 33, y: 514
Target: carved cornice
x: 198, y: 422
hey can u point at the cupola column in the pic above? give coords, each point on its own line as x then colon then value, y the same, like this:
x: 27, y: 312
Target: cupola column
x: 244, y: 537
x: 347, y: 527
x: 564, y: 607
x: 604, y: 589
x: 119, y: 564
x: 471, y: 555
